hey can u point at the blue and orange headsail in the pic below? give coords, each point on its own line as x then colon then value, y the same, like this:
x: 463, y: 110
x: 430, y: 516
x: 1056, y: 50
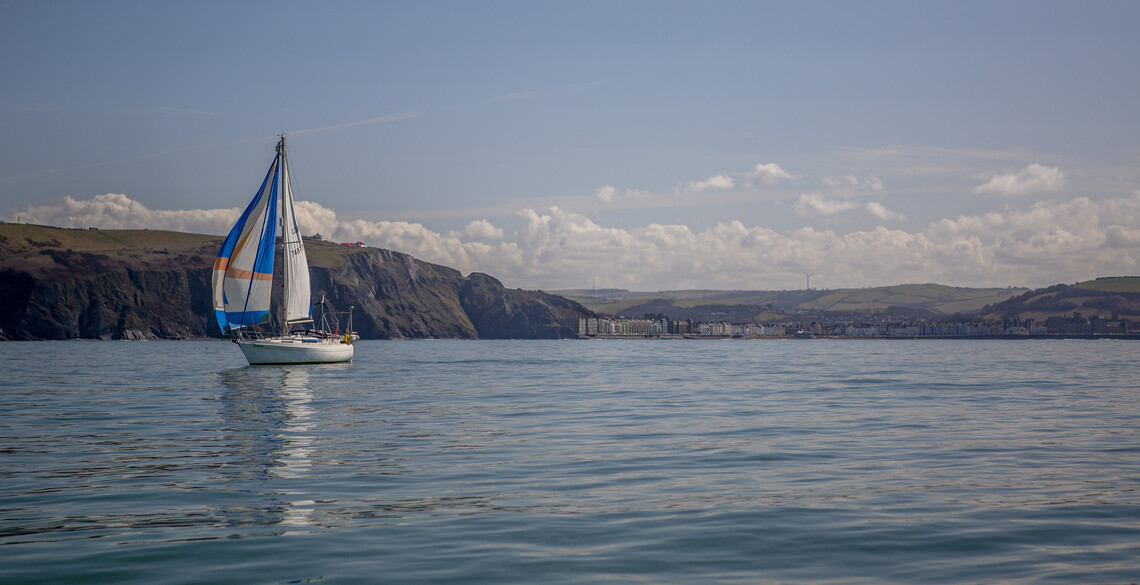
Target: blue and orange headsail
x: 243, y: 270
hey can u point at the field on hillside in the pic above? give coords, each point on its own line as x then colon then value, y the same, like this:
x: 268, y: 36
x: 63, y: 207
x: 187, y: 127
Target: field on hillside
x: 20, y: 235
x: 1112, y: 284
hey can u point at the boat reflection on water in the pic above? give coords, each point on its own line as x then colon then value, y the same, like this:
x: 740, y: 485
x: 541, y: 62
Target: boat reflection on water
x: 270, y: 432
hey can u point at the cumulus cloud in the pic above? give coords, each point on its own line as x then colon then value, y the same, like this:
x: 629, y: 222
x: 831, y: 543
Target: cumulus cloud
x: 117, y: 211
x: 816, y: 204
x: 710, y: 184
x: 1045, y: 243
x: 483, y: 230
x: 605, y: 193
x: 881, y: 212
x: 1034, y: 178
x: 766, y: 174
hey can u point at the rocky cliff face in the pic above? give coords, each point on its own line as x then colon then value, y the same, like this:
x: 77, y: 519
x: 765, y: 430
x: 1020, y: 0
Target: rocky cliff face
x: 498, y: 313
x: 120, y: 304
x: 141, y: 284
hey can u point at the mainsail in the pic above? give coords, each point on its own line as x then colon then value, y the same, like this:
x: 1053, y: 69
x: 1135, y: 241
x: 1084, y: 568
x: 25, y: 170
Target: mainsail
x: 243, y: 270
x: 297, y: 302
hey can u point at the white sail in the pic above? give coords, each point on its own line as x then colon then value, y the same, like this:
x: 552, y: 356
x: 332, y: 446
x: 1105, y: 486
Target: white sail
x: 298, y: 306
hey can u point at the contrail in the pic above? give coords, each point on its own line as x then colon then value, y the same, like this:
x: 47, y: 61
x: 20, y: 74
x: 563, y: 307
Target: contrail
x: 378, y: 120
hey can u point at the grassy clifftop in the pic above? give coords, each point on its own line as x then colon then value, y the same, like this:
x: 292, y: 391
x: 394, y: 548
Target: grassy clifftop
x: 35, y: 248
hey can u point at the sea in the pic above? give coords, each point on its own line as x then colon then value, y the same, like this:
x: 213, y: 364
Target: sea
x: 575, y: 461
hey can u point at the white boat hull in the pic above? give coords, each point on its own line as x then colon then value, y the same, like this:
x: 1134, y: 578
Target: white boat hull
x: 295, y: 350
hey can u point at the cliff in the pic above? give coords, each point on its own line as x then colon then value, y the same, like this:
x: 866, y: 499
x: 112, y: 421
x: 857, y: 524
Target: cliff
x: 143, y: 284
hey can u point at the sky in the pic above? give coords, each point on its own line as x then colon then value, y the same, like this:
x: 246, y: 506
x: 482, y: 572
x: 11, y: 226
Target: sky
x: 639, y: 145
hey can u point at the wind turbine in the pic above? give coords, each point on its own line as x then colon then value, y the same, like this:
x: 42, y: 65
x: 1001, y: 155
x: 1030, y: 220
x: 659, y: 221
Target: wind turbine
x: 809, y: 279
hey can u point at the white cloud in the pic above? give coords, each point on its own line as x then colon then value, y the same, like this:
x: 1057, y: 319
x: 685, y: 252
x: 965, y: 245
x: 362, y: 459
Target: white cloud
x: 816, y: 204
x: 483, y: 230
x: 847, y: 182
x: 881, y: 212
x: 1033, y: 179
x: 117, y: 211
x: 1042, y: 244
x: 605, y: 193
x: 873, y: 183
x: 712, y: 183
x: 766, y: 174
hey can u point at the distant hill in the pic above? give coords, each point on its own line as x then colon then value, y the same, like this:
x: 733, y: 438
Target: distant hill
x: 136, y: 284
x: 1117, y: 298
x: 908, y: 300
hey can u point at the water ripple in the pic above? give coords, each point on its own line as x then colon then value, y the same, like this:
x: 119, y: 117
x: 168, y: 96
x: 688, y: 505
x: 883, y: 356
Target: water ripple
x: 571, y: 462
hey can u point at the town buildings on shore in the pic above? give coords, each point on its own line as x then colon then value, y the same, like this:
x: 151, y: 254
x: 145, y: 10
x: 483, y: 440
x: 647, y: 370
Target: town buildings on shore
x: 1076, y: 325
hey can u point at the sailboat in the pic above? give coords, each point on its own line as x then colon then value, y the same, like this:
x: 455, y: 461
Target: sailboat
x: 243, y: 281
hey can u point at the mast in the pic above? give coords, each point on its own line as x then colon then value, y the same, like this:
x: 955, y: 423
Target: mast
x: 284, y: 178
x: 296, y: 295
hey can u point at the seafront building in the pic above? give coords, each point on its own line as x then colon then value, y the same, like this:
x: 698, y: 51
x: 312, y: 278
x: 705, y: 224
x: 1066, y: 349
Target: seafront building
x: 1075, y: 326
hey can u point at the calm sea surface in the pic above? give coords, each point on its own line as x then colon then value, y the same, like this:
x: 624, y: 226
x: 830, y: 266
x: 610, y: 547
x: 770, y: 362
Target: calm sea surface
x: 795, y: 461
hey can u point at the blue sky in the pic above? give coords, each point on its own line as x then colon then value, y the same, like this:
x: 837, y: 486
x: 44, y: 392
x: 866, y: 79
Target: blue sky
x: 642, y: 145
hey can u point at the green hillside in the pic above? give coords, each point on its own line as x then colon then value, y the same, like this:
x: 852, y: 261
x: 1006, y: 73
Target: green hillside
x: 1125, y: 284
x: 934, y: 299
x: 938, y: 298
x: 1092, y: 299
